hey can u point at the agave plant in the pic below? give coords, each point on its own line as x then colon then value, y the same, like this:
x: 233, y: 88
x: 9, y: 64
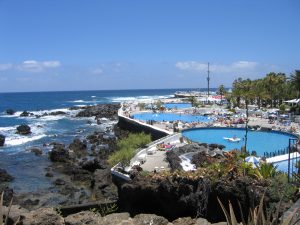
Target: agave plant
x: 257, y: 216
x: 266, y: 170
x: 2, y: 221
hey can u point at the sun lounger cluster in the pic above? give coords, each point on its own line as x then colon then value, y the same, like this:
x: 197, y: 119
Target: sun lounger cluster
x: 164, y: 147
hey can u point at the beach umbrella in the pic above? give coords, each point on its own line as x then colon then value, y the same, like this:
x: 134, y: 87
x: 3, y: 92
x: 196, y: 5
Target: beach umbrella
x: 252, y: 159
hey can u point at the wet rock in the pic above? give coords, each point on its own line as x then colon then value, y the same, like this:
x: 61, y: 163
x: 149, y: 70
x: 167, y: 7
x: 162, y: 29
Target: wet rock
x: 59, y: 153
x: 59, y: 181
x: 26, y: 114
x: 4, y: 176
x: 78, y: 147
x: 49, y: 174
x: 23, y: 129
x: 10, y: 112
x: 43, y: 216
x: 56, y: 113
x: 2, y: 140
x: 103, y: 110
x: 85, y: 217
x: 36, y: 151
x: 77, y: 107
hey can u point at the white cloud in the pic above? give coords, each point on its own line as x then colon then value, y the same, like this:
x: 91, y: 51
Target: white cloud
x: 5, y: 66
x: 37, y: 66
x: 97, y: 71
x: 239, y: 66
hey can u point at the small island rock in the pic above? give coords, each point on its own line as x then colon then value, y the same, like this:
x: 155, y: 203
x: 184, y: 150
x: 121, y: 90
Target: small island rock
x: 23, y: 129
x: 2, y: 140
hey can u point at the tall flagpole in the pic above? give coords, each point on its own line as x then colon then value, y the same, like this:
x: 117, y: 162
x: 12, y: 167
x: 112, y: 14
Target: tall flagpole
x: 208, y: 79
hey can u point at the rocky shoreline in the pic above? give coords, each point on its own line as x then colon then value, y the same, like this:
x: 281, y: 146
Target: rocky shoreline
x: 81, y: 177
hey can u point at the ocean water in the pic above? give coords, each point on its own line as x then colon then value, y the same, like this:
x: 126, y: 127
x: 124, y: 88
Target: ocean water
x: 29, y: 169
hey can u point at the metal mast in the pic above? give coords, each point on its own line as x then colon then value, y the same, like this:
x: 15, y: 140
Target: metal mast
x: 208, y: 79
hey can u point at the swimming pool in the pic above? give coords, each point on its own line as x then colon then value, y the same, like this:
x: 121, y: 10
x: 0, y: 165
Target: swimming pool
x: 171, y: 117
x: 177, y: 105
x: 259, y: 141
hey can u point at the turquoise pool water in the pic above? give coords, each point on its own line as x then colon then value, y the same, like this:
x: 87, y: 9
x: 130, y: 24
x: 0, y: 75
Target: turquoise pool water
x: 177, y: 105
x: 170, y: 117
x: 259, y: 141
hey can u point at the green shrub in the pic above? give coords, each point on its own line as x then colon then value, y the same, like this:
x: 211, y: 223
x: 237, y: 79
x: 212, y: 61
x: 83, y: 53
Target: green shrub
x: 126, y: 148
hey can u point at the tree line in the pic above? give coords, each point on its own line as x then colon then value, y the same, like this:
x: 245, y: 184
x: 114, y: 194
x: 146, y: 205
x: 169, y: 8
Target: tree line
x: 269, y: 91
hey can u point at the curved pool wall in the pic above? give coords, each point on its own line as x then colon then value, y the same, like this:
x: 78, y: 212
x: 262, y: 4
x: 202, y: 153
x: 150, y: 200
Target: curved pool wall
x: 161, y: 117
x: 177, y: 105
x: 260, y: 141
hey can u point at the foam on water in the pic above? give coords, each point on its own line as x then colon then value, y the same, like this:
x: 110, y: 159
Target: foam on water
x: 13, y: 141
x: 142, y: 98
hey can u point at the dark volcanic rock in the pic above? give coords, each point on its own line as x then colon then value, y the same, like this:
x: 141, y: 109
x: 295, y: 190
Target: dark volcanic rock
x: 173, y: 160
x: 180, y: 197
x: 25, y: 114
x: 59, y: 153
x: 10, y: 112
x: 23, y: 129
x: 102, y: 184
x: 59, y: 181
x: 56, y: 113
x: 78, y: 147
x: 36, y: 151
x: 28, y: 203
x: 2, y: 140
x: 104, y: 110
x: 93, y: 164
x: 4, y: 176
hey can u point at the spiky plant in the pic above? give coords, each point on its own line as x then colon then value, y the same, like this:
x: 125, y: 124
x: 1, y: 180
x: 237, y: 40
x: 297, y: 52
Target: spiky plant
x: 257, y: 216
x: 2, y: 221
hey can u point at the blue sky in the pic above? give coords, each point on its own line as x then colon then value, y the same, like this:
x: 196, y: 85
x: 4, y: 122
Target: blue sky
x: 127, y: 44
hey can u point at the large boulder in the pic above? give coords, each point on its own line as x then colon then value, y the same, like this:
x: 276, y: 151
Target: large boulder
x: 143, y: 219
x: 43, y: 216
x: 2, y: 140
x: 10, y: 112
x: 103, y: 110
x: 4, y: 176
x: 23, y: 129
x: 94, y: 164
x: 84, y: 217
x: 59, y: 153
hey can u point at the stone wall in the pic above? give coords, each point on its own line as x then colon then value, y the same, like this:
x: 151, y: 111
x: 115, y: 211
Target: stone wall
x: 135, y: 126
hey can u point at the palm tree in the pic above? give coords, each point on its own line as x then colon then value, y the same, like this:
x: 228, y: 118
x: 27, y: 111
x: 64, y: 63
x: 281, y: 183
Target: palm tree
x: 193, y: 101
x: 295, y: 81
x: 221, y: 91
x: 236, y: 90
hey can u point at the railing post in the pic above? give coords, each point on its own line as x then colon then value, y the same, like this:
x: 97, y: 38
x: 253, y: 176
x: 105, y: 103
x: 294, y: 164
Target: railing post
x: 289, y: 160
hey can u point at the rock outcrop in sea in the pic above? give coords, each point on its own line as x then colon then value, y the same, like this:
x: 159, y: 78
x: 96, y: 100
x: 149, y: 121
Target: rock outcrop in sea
x: 2, y: 140
x: 23, y: 129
